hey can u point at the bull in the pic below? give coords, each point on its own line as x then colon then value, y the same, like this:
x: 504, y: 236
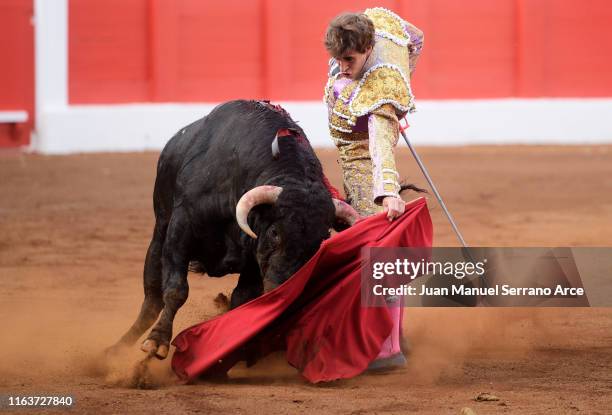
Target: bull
x: 231, y: 198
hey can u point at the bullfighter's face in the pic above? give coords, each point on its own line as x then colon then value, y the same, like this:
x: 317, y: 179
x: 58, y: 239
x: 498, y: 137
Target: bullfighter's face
x: 352, y: 62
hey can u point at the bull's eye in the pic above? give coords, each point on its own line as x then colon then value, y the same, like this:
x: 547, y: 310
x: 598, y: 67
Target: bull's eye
x: 274, y: 235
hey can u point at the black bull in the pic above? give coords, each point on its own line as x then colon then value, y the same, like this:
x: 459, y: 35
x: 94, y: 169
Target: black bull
x: 212, y: 176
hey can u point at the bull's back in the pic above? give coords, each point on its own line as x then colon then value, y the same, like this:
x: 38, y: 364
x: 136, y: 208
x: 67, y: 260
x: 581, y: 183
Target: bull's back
x: 170, y: 163
x: 241, y: 133
x: 229, y: 128
x: 227, y: 149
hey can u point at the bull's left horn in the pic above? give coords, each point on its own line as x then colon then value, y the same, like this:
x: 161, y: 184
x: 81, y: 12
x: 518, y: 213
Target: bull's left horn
x: 345, y: 212
x: 256, y: 196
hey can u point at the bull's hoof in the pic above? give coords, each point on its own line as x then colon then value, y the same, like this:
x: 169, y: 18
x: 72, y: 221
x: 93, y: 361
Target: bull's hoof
x: 162, y: 351
x: 150, y: 347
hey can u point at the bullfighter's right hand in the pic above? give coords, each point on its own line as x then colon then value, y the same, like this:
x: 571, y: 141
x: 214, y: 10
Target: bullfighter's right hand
x: 394, y: 206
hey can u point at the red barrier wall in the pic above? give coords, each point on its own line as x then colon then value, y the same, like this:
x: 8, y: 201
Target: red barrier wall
x: 193, y: 50
x: 16, y: 69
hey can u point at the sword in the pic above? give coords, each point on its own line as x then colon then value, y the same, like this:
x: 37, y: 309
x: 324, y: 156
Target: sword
x: 435, y: 189
x: 465, y: 249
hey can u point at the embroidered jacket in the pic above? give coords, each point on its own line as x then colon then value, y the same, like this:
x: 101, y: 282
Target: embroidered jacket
x: 364, y: 113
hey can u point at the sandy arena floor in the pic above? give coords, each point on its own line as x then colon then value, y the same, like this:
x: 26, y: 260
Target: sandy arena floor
x: 75, y: 229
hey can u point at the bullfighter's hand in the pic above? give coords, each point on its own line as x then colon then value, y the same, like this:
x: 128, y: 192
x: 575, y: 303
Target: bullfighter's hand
x: 394, y: 206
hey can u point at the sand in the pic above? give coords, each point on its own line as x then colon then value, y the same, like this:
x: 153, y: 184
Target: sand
x: 75, y: 229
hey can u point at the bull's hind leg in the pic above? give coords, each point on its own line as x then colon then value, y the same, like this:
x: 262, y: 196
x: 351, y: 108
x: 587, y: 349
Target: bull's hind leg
x: 175, y: 265
x: 152, y: 282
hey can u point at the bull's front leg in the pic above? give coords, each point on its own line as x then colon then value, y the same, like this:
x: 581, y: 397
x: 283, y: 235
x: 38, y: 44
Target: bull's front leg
x: 250, y: 286
x: 175, y: 266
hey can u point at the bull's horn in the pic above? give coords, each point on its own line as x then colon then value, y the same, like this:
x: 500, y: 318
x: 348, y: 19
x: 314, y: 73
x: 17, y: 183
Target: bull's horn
x: 345, y: 212
x: 256, y: 196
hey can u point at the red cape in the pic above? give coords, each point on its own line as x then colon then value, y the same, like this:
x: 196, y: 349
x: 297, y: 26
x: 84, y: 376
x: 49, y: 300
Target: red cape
x: 316, y: 315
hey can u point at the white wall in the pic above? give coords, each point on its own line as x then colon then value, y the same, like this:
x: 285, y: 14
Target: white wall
x: 50, y: 64
x: 138, y: 127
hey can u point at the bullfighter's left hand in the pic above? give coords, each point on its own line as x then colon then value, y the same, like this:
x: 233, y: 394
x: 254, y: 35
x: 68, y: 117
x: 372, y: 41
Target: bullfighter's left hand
x: 394, y: 206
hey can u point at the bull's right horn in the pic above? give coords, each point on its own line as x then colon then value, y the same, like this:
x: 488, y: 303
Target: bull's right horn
x: 256, y: 196
x: 345, y: 212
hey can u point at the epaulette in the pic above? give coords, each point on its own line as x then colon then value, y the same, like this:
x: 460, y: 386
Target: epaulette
x: 382, y: 84
x: 388, y: 25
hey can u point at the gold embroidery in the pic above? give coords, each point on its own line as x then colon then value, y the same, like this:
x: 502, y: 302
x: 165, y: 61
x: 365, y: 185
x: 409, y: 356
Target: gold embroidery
x: 357, y: 176
x: 339, y: 124
x: 382, y: 85
x: 340, y: 136
x: 329, y: 91
x: 388, y: 23
x: 346, y: 121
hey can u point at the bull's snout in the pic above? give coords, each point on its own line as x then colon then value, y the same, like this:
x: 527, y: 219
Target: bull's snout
x: 277, y: 272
